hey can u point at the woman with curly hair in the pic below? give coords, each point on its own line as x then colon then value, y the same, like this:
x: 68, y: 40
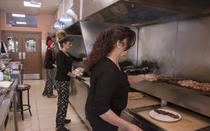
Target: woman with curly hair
x: 109, y: 85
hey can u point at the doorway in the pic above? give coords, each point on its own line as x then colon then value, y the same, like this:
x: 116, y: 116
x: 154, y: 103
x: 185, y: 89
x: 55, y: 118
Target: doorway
x: 26, y: 48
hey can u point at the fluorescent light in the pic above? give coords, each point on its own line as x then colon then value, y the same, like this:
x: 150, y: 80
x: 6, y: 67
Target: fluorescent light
x: 32, y: 4
x: 66, y: 20
x: 18, y: 15
x: 21, y: 23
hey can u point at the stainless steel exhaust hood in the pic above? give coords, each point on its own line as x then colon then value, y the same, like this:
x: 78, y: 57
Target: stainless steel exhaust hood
x: 134, y: 13
x: 142, y: 12
x: 145, y: 12
x: 74, y: 29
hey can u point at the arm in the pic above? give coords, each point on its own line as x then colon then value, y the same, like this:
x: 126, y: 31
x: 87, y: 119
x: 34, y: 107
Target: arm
x: 54, y: 65
x: 75, y: 58
x: 137, y: 78
x: 71, y: 75
x: 114, y: 119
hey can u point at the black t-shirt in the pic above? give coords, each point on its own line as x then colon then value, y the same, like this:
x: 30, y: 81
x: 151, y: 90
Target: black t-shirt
x: 108, y: 89
x: 49, y: 59
x: 64, y: 65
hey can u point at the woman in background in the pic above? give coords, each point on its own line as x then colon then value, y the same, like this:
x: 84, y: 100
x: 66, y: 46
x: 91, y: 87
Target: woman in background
x: 49, y: 66
x: 64, y: 62
x: 109, y: 85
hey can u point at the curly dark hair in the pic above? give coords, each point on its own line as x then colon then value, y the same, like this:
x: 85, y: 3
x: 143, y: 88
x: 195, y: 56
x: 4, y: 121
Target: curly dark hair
x: 106, y: 42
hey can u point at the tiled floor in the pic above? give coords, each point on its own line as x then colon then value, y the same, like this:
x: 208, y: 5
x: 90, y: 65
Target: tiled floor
x: 43, y: 112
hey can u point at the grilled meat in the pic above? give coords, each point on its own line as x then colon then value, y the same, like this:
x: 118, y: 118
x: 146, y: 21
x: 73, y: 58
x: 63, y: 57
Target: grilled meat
x: 185, y: 83
x: 195, y: 85
x: 159, y: 111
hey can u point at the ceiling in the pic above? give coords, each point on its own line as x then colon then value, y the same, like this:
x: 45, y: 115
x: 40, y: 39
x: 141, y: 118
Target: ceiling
x: 16, y: 6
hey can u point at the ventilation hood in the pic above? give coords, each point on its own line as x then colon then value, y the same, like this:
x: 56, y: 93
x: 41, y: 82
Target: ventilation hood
x: 74, y: 29
x: 135, y: 13
x: 145, y: 12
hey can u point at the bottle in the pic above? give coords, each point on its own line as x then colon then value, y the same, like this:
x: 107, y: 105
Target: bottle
x: 6, y: 75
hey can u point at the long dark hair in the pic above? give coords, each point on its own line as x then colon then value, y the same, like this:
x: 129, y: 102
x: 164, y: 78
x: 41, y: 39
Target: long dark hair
x: 106, y: 41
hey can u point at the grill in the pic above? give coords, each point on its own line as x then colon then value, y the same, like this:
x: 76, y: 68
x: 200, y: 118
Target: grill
x: 190, y: 84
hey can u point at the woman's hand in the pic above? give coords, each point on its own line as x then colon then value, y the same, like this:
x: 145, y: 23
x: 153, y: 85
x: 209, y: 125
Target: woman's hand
x: 114, y: 119
x: 71, y: 75
x: 54, y: 65
x: 150, y: 77
x: 133, y: 127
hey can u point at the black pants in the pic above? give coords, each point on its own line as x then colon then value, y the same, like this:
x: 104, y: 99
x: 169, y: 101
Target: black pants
x: 48, y: 90
x: 63, y: 99
x: 99, y: 124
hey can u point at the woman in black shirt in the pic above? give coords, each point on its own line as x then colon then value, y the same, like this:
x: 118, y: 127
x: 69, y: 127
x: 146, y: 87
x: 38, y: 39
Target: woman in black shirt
x: 49, y: 62
x: 108, y: 93
x: 62, y: 80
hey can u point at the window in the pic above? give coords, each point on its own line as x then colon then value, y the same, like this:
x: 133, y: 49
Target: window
x: 27, y: 21
x: 12, y: 44
x: 31, y: 46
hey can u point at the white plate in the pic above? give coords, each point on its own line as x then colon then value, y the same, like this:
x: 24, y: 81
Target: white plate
x: 164, y: 118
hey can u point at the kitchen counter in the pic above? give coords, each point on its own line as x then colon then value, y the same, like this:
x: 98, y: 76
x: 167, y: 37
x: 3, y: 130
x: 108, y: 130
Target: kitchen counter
x: 194, y: 100
x: 78, y: 96
x: 5, y: 109
x: 190, y: 121
x: 79, y: 93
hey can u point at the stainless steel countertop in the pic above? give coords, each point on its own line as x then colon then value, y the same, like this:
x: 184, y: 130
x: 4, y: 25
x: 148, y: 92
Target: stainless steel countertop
x: 87, y: 80
x: 5, y: 105
x: 147, y: 100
